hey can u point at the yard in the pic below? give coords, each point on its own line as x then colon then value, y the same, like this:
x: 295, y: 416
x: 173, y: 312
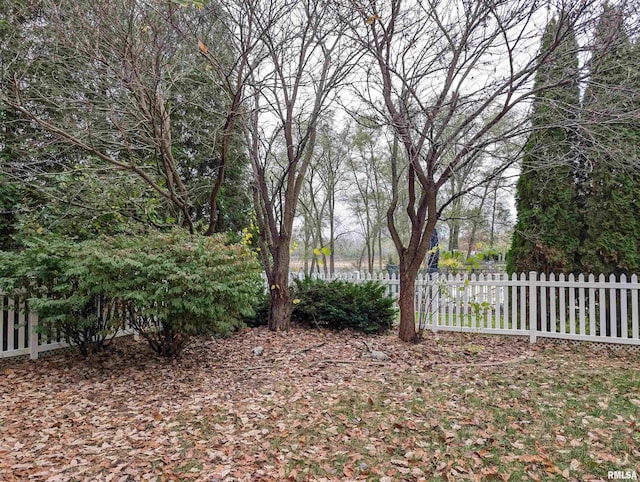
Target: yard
x: 455, y: 407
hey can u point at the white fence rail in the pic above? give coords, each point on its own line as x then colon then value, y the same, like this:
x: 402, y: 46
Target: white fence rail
x: 567, y: 307
x: 19, y: 331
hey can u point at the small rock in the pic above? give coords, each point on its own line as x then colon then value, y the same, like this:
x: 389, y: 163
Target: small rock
x: 376, y: 355
x: 257, y: 351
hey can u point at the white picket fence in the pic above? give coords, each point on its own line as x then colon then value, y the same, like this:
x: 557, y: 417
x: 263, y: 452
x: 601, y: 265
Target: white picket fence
x: 19, y: 335
x: 566, y: 307
x: 17, y: 332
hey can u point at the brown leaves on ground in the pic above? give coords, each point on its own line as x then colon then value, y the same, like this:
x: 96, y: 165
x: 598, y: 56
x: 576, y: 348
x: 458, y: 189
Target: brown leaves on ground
x: 310, y: 407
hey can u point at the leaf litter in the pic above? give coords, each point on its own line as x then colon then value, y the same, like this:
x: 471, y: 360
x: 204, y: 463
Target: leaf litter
x: 313, y: 406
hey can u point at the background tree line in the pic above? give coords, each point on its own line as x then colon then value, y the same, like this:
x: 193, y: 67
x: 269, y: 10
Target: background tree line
x: 132, y: 116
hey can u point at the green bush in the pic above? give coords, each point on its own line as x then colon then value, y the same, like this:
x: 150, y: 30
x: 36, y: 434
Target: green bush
x: 174, y: 286
x: 338, y: 305
x: 167, y: 286
x: 52, y: 274
x: 260, y: 316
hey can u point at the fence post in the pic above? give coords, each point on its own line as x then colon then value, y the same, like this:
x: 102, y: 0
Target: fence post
x: 33, y: 335
x: 533, y: 306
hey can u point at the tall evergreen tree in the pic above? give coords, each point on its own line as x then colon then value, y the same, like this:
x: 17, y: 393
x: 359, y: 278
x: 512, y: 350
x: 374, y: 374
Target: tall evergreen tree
x: 546, y: 236
x: 612, y: 151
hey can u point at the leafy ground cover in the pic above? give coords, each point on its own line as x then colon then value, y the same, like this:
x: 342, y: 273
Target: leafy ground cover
x: 455, y: 407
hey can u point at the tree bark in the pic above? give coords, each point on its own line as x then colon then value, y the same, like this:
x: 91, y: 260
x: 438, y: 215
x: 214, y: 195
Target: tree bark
x: 280, y: 308
x: 454, y: 236
x: 280, y: 305
x: 332, y: 234
x: 406, y: 303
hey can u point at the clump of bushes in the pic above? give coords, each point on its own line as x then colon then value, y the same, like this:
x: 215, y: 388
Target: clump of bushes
x: 52, y: 274
x: 174, y: 286
x: 167, y: 286
x: 339, y: 305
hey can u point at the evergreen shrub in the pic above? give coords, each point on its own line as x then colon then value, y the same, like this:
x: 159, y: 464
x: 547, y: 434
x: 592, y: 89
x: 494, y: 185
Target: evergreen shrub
x: 339, y: 304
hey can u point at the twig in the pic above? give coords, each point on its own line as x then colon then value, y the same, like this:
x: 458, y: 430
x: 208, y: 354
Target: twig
x: 303, y: 350
x: 338, y: 361
x: 335, y: 360
x: 290, y: 356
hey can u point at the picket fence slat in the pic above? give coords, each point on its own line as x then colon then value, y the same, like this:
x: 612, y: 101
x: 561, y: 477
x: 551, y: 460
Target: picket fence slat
x: 634, y: 310
x: 505, y: 297
x: 563, y: 311
x: 552, y: 304
x: 581, y: 306
x: 543, y: 303
x: 592, y: 307
x: 572, y: 305
x: 623, y: 309
x: 21, y: 328
x: 33, y: 335
x: 495, y: 303
x: 613, y: 321
x: 2, y: 315
x: 514, y: 304
x: 523, y: 305
x: 11, y: 325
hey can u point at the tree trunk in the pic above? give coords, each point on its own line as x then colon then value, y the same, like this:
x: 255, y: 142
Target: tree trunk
x: 380, y: 245
x: 406, y: 303
x: 454, y: 236
x: 332, y: 240
x: 493, y: 215
x: 307, y: 251
x: 281, y: 305
x: 476, y: 222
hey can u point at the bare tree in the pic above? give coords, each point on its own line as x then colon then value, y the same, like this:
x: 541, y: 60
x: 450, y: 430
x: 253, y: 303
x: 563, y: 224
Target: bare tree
x: 332, y: 156
x: 232, y: 73
x: 126, y: 85
x: 438, y: 69
x: 468, y: 191
x: 313, y: 201
x: 368, y: 168
x: 319, y: 195
x: 306, y: 60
